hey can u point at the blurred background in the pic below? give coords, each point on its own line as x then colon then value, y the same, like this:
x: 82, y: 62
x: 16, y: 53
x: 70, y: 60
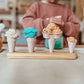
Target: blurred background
x: 12, y: 11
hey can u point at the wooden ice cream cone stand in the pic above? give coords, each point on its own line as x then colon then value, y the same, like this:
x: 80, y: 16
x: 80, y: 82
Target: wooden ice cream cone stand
x: 43, y: 54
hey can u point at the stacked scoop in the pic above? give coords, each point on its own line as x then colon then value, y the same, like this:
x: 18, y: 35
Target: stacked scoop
x: 52, y: 32
x: 52, y: 29
x: 30, y: 34
x: 71, y: 43
x: 11, y: 35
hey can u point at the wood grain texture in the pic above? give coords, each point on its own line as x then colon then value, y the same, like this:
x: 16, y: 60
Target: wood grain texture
x: 41, y: 45
x: 42, y: 55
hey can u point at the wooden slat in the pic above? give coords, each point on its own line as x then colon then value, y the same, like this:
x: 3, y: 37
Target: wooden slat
x: 41, y: 45
x: 42, y: 55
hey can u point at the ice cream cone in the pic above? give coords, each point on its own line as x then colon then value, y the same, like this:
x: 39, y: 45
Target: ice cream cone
x: 31, y: 44
x: 71, y: 46
x: 51, y: 42
x: 11, y: 44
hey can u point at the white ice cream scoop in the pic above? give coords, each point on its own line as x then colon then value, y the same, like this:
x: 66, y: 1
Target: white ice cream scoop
x: 2, y: 26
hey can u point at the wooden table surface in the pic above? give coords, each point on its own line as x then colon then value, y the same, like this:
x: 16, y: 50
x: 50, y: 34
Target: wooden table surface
x: 26, y: 71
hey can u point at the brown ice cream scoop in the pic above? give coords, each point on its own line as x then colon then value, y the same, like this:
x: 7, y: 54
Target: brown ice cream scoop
x: 52, y: 29
x: 57, y: 31
x: 72, y: 39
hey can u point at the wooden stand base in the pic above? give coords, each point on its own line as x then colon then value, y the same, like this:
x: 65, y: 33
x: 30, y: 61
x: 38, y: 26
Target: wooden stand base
x: 42, y: 55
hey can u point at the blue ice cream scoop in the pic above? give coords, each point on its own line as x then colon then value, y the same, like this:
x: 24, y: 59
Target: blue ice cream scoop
x: 31, y: 32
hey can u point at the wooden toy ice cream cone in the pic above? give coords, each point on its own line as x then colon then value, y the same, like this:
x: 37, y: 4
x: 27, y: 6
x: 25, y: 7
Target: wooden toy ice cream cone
x: 52, y: 32
x: 71, y: 43
x: 11, y: 44
x: 11, y: 39
x: 31, y: 44
x: 71, y: 46
x: 51, y: 42
x: 30, y: 34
